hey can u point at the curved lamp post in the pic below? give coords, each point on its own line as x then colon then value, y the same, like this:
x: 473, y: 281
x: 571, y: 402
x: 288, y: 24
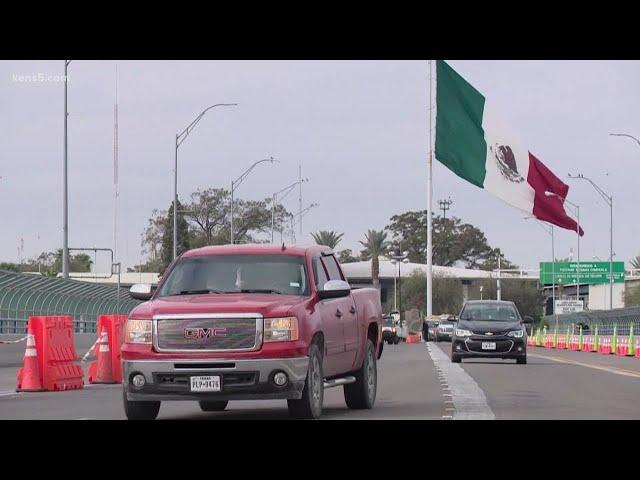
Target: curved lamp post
x: 181, y: 137
x: 625, y: 135
x: 285, y: 191
x: 609, y: 201
x: 577, y: 213
x: 239, y: 180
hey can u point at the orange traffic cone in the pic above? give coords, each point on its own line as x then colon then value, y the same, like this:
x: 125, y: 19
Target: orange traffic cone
x: 29, y: 375
x: 104, y: 370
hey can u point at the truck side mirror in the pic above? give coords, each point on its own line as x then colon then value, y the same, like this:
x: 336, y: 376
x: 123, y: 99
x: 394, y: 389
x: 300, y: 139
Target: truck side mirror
x: 141, y: 291
x: 527, y: 319
x: 334, y: 289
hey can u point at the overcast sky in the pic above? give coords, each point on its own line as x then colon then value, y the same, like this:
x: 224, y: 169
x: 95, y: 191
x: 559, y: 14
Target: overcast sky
x: 358, y: 128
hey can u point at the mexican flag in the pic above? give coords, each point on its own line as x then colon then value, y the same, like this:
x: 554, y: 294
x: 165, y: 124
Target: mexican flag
x: 476, y: 145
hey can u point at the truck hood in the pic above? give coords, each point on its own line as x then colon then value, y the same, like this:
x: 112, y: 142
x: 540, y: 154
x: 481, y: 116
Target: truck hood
x: 268, y: 305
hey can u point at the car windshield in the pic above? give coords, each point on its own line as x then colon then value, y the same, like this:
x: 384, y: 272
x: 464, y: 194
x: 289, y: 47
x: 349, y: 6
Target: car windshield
x: 278, y: 274
x: 488, y: 312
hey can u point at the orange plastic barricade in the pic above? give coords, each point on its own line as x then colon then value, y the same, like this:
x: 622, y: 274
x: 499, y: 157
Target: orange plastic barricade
x: 622, y: 348
x: 587, y: 343
x: 605, y: 345
x: 55, y: 353
x: 113, y: 326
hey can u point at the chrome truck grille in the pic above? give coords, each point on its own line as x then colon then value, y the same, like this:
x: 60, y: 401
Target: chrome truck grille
x: 207, y: 332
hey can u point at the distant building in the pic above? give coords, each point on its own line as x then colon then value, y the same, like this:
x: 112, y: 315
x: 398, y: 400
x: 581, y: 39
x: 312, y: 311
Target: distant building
x: 359, y: 276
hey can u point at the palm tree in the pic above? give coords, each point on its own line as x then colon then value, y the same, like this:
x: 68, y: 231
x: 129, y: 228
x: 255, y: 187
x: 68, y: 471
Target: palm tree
x: 375, y: 244
x: 635, y: 262
x: 329, y: 238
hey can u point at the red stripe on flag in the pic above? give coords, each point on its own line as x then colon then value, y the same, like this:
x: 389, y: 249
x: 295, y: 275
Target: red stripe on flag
x: 550, y: 209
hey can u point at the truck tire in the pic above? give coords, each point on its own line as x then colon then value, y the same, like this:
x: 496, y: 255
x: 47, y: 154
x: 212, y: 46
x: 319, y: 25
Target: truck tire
x: 456, y: 358
x: 310, y: 405
x: 140, y: 410
x: 395, y: 340
x: 362, y: 394
x: 521, y: 360
x: 213, y: 406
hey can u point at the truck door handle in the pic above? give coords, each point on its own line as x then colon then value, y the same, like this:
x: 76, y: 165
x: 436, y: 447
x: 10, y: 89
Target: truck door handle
x: 352, y: 309
x: 338, y: 313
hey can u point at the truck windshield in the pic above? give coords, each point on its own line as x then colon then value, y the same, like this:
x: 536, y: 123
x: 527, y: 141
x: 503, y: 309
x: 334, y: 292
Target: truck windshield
x: 278, y: 274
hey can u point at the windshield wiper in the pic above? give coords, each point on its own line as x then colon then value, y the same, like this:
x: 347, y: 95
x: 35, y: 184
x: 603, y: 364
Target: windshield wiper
x: 196, y: 292
x: 260, y: 290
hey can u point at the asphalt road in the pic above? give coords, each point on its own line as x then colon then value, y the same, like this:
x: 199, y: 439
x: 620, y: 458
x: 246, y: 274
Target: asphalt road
x: 416, y: 381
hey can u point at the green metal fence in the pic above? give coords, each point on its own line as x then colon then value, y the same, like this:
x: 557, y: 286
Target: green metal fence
x: 622, y: 318
x: 22, y: 295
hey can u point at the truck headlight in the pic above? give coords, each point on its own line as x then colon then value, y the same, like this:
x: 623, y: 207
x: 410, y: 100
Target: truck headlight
x: 137, y: 331
x: 460, y: 332
x: 281, y: 329
x: 516, y: 333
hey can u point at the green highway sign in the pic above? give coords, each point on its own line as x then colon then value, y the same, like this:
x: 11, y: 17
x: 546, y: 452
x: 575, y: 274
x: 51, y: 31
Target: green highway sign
x: 590, y: 272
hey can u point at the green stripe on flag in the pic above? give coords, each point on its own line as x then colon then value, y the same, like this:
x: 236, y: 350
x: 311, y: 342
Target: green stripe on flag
x: 460, y: 143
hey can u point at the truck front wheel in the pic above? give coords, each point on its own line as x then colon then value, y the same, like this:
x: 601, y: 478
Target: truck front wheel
x: 362, y: 394
x: 140, y: 410
x: 310, y: 405
x: 213, y: 406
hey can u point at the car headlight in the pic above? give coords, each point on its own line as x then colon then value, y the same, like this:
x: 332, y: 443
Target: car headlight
x: 516, y: 333
x: 461, y: 332
x: 137, y: 331
x: 282, y: 329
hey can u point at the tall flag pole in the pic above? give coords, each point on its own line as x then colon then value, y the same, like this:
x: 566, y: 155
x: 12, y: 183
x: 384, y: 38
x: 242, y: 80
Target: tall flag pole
x: 430, y: 200
x: 115, y: 171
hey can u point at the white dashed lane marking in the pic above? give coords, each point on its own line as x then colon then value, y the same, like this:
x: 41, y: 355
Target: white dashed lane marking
x: 469, y: 401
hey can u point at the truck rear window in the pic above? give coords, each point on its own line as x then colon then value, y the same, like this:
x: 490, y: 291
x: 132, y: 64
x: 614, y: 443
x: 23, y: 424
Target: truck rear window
x: 278, y: 274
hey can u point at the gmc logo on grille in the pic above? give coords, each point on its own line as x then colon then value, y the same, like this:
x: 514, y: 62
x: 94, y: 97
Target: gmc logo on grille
x: 204, y: 332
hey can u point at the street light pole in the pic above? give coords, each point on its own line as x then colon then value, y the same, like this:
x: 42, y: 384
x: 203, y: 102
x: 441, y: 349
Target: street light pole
x: 609, y: 200
x: 238, y: 181
x: 181, y: 137
x: 498, y: 289
x: 553, y: 265
x: 625, y: 135
x: 397, y: 286
x: 65, y: 214
x: 285, y: 191
x: 577, y: 210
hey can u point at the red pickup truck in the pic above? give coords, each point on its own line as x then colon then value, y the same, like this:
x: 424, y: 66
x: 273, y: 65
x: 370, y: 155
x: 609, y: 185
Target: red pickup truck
x: 251, y: 322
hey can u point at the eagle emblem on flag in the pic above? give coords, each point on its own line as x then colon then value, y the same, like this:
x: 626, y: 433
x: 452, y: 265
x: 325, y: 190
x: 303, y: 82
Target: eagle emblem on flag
x: 506, y: 161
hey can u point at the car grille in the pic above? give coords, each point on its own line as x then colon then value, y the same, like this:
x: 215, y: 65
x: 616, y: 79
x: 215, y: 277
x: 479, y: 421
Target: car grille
x: 482, y: 333
x: 502, y: 346
x: 207, y: 334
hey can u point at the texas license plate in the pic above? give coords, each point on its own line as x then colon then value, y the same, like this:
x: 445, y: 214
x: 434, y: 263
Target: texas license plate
x: 205, y: 383
x: 488, y: 345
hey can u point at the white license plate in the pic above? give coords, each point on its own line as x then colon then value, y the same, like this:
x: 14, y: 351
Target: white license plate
x: 488, y: 345
x: 206, y: 383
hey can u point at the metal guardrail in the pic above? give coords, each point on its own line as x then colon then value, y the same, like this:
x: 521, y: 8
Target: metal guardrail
x: 19, y: 326
x: 605, y: 320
